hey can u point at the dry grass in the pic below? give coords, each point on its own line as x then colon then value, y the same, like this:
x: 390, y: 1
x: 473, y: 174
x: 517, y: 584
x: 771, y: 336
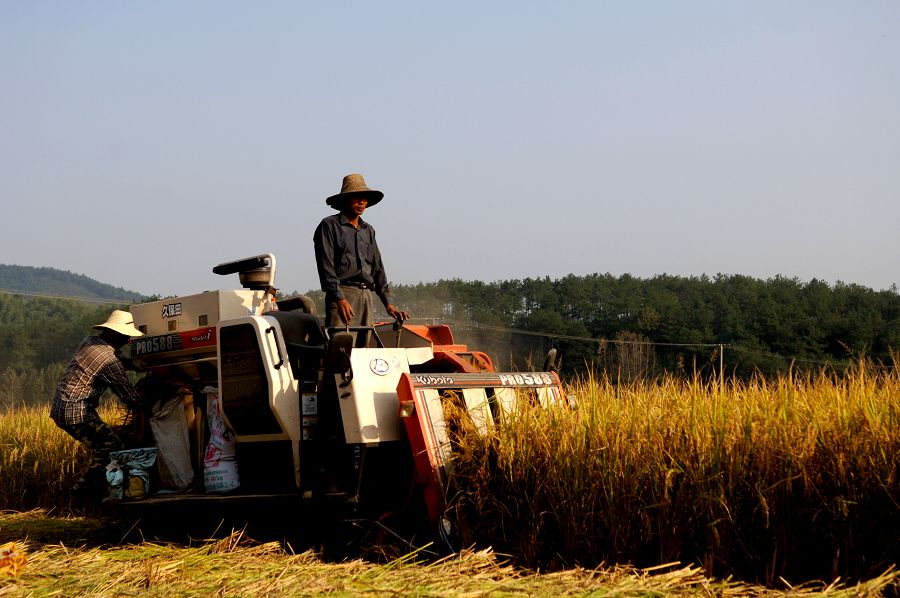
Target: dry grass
x: 237, y: 566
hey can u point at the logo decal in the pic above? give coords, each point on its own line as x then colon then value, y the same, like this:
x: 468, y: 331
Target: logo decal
x: 379, y: 366
x: 171, y: 310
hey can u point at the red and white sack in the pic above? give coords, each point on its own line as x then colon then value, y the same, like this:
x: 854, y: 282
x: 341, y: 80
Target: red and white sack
x: 220, y: 468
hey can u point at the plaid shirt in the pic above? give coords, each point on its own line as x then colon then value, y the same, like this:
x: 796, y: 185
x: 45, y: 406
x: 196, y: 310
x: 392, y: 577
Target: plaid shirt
x: 94, y: 368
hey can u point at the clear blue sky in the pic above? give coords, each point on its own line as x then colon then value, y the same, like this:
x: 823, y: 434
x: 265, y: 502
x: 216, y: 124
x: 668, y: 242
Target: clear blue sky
x: 141, y: 143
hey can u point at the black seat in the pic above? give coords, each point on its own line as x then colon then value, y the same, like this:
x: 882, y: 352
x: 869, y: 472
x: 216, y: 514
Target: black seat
x: 304, y: 341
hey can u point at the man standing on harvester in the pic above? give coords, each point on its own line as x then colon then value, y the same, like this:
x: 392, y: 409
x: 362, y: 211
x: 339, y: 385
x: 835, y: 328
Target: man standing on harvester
x: 348, y: 260
x: 96, y: 366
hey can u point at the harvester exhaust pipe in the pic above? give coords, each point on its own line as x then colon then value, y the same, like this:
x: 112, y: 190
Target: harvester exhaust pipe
x: 255, y: 273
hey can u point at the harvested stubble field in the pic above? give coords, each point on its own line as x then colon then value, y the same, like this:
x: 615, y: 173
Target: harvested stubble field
x: 238, y: 566
x: 769, y: 481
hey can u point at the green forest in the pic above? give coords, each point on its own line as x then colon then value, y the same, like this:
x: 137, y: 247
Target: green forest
x: 641, y: 327
x: 624, y: 327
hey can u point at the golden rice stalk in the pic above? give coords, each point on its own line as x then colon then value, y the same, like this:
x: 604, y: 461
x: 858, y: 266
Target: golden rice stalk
x: 12, y: 559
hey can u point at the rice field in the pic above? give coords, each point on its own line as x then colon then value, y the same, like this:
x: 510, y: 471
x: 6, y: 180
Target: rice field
x: 775, y: 482
x: 793, y: 478
x: 38, y: 461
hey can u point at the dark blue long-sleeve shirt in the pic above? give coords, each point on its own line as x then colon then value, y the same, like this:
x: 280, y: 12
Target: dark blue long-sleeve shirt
x: 345, y: 254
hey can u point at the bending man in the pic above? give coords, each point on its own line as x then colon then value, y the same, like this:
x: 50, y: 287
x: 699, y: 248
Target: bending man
x: 96, y: 366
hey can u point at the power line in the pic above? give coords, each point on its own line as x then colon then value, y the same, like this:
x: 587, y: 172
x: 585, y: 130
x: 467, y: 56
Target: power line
x: 587, y: 339
x: 95, y: 300
x: 721, y: 346
x: 741, y: 349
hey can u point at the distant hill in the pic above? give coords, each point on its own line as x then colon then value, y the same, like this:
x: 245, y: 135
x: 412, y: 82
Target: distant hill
x: 50, y: 281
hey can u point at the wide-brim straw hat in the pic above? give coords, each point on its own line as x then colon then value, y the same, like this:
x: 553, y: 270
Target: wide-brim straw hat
x: 354, y: 185
x: 121, y: 322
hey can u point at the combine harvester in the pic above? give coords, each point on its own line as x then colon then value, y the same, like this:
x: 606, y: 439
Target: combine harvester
x: 355, y: 423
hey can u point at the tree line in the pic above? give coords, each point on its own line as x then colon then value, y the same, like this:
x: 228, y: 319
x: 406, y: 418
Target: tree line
x: 37, y: 338
x: 624, y: 326
x: 649, y: 325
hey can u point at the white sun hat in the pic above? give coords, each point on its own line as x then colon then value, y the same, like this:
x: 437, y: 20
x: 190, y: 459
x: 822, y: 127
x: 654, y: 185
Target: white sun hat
x: 121, y: 322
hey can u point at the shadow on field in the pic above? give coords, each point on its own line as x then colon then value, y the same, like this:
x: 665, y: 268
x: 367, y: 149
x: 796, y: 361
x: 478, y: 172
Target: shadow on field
x: 194, y: 523
x: 40, y: 527
x: 188, y: 525
x: 332, y: 537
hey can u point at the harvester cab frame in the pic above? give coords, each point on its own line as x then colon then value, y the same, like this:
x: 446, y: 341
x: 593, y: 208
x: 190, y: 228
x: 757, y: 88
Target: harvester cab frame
x: 350, y: 421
